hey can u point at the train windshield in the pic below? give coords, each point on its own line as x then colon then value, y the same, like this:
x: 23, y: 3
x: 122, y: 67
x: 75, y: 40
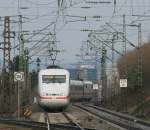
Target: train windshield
x: 53, y: 78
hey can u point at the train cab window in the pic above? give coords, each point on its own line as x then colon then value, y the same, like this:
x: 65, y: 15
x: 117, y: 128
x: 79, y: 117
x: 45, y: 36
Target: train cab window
x: 53, y: 78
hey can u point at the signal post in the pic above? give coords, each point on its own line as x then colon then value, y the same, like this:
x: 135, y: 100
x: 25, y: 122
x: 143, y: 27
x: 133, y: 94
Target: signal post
x: 18, y: 77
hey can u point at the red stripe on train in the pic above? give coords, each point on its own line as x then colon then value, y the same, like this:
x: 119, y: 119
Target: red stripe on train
x: 45, y: 97
x: 65, y: 97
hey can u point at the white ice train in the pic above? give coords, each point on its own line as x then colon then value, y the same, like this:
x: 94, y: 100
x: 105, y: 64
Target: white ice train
x: 56, y: 90
x: 53, y: 88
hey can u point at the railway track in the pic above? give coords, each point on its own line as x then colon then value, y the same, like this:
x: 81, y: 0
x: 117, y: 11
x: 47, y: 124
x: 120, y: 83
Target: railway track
x: 124, y: 116
x: 46, y: 124
x: 59, y: 121
x: 73, y: 121
x: 119, y: 119
x: 72, y: 125
x: 41, y: 126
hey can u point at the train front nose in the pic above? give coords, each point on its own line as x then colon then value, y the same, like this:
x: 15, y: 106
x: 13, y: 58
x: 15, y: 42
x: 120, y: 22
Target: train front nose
x: 54, y: 102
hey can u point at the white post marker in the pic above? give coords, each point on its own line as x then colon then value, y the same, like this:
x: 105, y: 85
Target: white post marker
x: 123, y: 83
x: 95, y: 86
x: 35, y: 100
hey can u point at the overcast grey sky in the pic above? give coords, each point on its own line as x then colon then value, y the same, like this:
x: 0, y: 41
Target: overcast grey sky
x: 39, y: 13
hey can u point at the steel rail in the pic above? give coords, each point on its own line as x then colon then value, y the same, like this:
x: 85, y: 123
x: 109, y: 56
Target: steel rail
x: 122, y: 123
x: 73, y: 121
x: 122, y: 115
x: 39, y: 125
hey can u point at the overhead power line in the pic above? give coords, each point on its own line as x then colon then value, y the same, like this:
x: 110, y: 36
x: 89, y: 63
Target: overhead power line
x: 40, y: 30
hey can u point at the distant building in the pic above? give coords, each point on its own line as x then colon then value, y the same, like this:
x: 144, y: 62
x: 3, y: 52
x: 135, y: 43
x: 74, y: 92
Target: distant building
x: 112, y: 79
x: 88, y: 74
x: 92, y: 75
x: 73, y: 73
